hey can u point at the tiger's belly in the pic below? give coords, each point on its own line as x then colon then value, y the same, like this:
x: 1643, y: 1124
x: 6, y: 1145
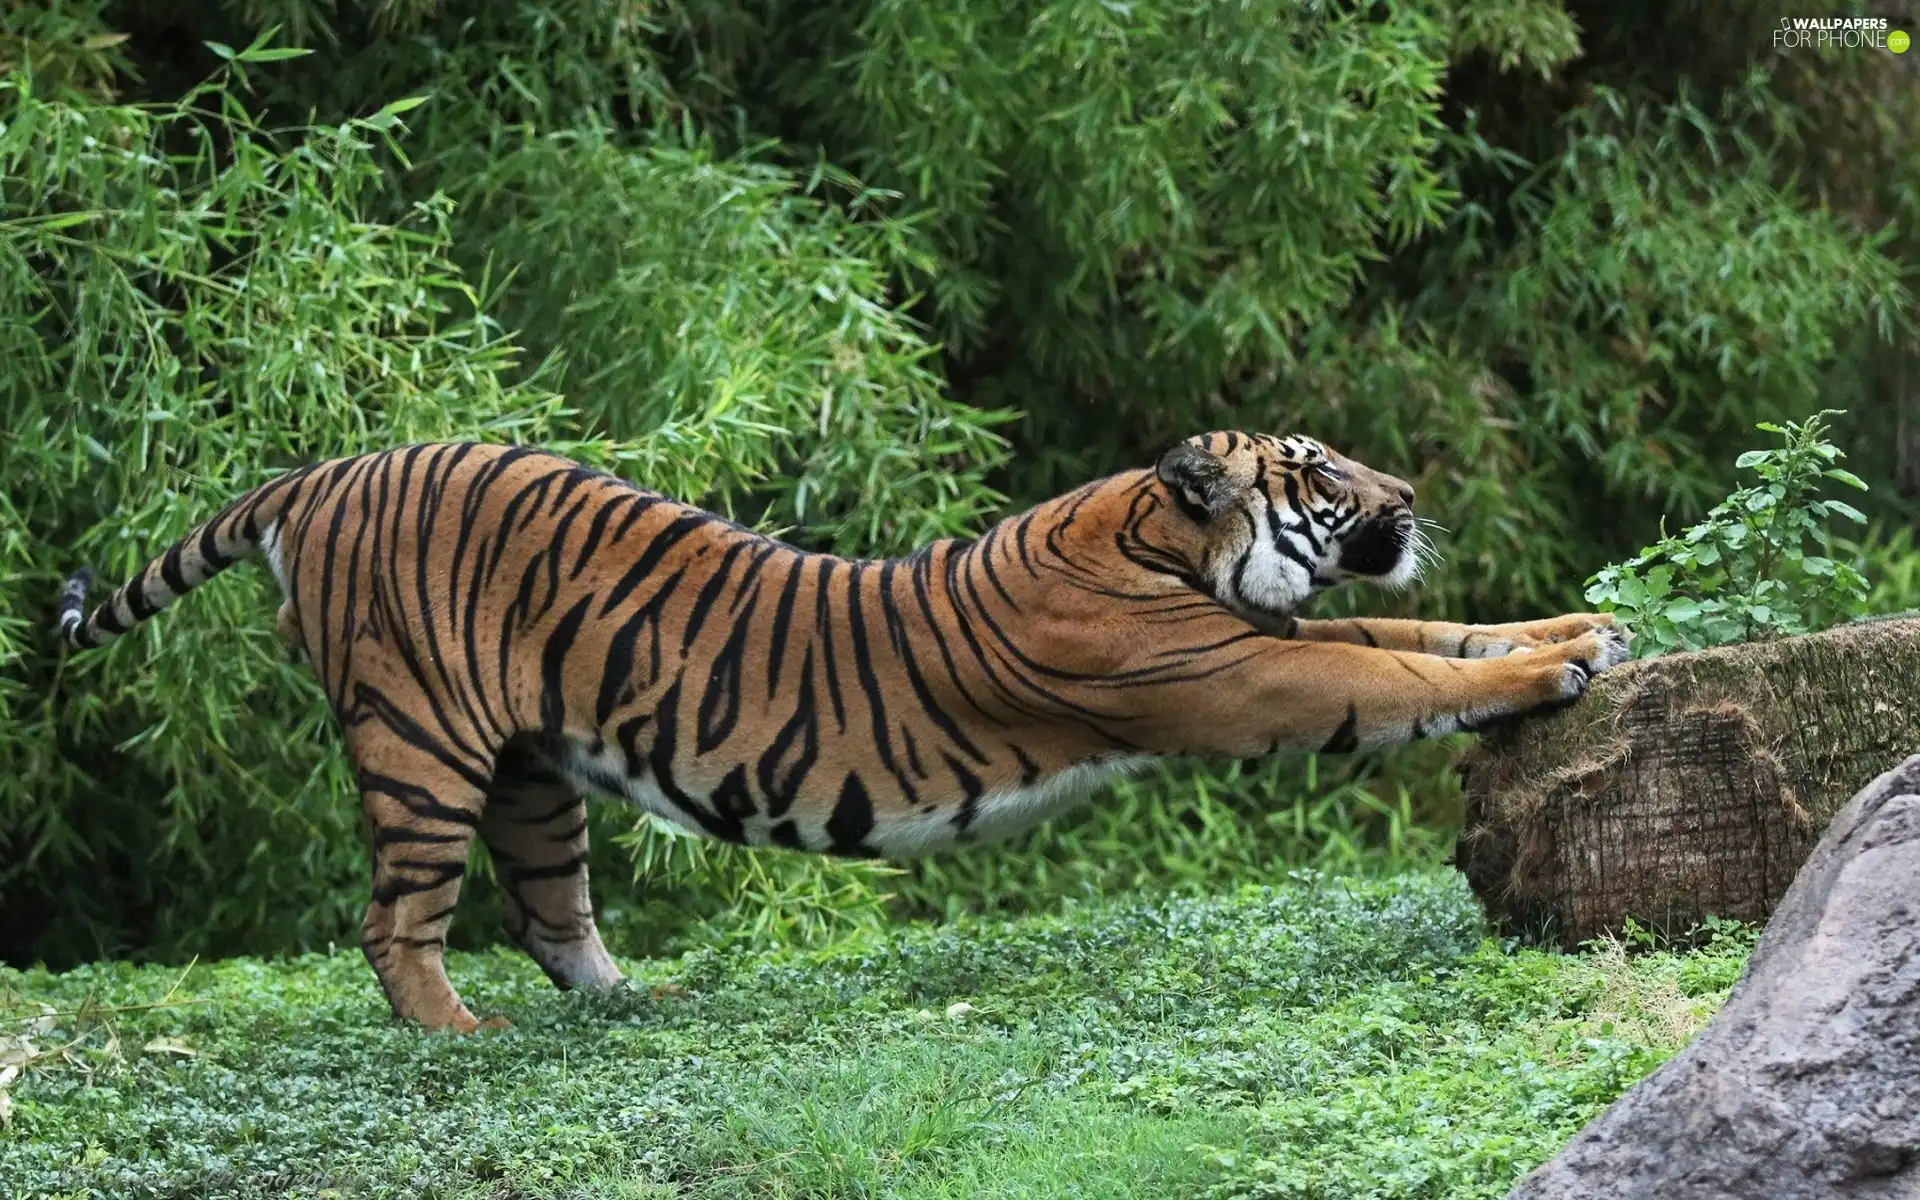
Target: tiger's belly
x: 832, y: 821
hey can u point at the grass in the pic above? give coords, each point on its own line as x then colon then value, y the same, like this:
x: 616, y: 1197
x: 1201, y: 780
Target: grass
x: 1326, y: 1038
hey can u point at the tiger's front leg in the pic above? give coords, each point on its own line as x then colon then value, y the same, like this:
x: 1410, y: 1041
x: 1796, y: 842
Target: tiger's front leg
x: 1334, y: 698
x: 1450, y: 640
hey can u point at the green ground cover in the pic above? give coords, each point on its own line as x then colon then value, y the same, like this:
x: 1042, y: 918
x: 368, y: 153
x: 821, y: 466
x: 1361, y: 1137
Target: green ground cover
x: 1329, y: 1037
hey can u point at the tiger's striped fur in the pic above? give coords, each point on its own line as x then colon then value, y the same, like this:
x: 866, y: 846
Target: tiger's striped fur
x: 501, y: 631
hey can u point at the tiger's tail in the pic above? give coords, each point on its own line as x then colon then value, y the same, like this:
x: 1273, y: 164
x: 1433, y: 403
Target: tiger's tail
x: 246, y: 527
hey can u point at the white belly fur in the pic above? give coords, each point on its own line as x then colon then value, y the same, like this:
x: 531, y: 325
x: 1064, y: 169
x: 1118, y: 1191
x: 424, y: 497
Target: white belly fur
x: 1000, y: 814
x: 997, y: 815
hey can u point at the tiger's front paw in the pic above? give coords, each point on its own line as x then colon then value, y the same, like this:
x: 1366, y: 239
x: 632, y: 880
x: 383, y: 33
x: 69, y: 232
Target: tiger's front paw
x: 1554, y: 630
x: 1576, y: 662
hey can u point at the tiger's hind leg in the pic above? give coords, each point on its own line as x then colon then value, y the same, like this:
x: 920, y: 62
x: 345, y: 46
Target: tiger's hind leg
x: 421, y: 814
x: 535, y: 827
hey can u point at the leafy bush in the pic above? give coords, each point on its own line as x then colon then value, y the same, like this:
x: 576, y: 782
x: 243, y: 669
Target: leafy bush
x: 192, y: 303
x: 1745, y: 573
x: 810, y: 264
x: 199, y: 300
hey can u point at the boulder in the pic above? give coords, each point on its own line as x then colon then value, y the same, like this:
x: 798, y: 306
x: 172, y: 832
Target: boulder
x: 1806, y: 1084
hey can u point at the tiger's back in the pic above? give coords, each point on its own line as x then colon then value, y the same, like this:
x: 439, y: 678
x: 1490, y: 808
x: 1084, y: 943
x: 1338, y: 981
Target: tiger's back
x: 463, y: 598
x: 501, y: 631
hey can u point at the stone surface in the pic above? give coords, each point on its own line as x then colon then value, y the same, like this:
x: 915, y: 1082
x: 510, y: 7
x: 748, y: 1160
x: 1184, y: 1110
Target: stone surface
x: 1807, y: 1083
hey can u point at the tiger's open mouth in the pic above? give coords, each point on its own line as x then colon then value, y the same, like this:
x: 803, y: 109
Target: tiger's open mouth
x: 1380, y: 547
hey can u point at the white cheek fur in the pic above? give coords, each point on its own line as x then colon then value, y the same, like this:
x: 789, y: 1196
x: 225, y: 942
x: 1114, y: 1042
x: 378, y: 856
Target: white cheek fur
x: 1262, y: 578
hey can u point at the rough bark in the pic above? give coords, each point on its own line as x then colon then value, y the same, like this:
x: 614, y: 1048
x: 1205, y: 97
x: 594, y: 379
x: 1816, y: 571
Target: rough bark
x: 1685, y: 786
x: 1807, y: 1082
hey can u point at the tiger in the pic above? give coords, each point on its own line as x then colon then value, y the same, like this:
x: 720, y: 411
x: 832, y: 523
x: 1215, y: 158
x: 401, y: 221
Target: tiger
x: 501, y: 631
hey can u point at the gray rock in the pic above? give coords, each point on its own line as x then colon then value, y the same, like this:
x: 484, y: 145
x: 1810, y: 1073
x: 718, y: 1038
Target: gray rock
x: 1807, y: 1082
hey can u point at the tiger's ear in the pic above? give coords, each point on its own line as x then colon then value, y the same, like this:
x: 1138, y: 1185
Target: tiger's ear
x: 1198, y: 479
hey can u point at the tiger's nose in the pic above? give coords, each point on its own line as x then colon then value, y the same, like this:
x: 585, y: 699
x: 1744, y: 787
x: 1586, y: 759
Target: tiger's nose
x: 1404, y: 490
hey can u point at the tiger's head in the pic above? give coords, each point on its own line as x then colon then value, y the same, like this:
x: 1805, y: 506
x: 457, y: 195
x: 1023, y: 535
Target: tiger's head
x: 1265, y: 521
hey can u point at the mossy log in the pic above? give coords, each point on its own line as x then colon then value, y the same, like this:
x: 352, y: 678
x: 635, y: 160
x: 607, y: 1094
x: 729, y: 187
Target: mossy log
x: 1687, y: 786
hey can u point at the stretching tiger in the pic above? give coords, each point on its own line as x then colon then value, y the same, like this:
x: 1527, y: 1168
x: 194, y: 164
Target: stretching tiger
x: 501, y: 631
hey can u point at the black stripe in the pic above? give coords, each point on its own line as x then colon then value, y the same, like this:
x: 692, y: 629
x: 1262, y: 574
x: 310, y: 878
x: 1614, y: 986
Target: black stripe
x: 823, y: 624
x: 903, y: 648
x: 553, y: 658
x: 427, y: 501
x: 215, y: 561
x: 628, y: 735
x: 470, y: 624
x: 577, y: 476
x: 1029, y: 770
x: 596, y: 530
x: 616, y: 674
x: 520, y: 608
x: 782, y: 619
x: 1346, y: 738
x: 1020, y: 535
x: 970, y: 791
x: 750, y: 575
x: 400, y: 629
x: 350, y: 608
x: 709, y: 596
x: 329, y: 574
x: 987, y: 568
x: 552, y: 552
x: 953, y: 582
x: 397, y: 887
x: 417, y: 800
x: 385, y: 836
x: 106, y: 618
x: 171, y: 573
x: 371, y: 701
x: 733, y: 800
x: 783, y: 768
x: 857, y: 636
x: 786, y: 834
x: 913, y: 751
x: 922, y: 592
x: 851, y: 821
x: 720, y: 702
x: 657, y: 547
x: 640, y: 508
x: 571, y: 865
x: 137, y: 602
x: 665, y: 743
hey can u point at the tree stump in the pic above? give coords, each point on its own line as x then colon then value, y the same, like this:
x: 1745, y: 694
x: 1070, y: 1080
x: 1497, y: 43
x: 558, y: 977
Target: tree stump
x: 1685, y: 786
x: 1806, y: 1083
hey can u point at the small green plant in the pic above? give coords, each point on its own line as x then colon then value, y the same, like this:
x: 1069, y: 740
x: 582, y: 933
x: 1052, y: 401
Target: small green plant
x: 1746, y: 573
